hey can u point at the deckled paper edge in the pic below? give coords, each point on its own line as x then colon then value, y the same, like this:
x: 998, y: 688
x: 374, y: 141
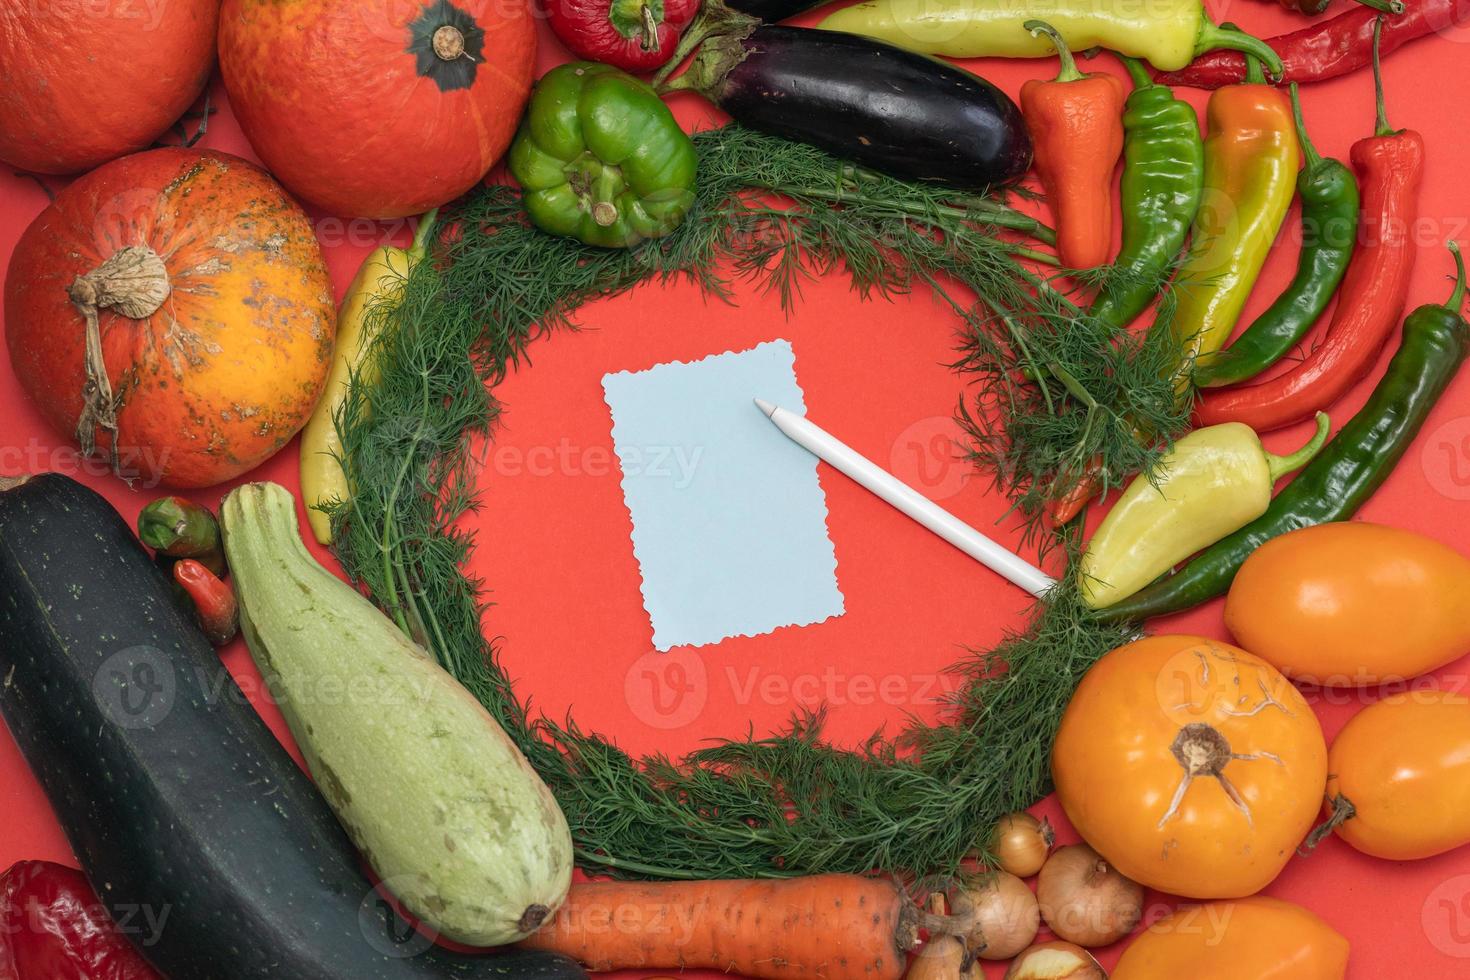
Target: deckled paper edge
x: 816, y: 470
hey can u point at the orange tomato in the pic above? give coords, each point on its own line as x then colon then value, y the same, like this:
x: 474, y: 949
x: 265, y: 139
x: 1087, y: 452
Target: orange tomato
x: 1191, y: 765
x: 1252, y: 939
x: 1403, y: 768
x: 1353, y: 604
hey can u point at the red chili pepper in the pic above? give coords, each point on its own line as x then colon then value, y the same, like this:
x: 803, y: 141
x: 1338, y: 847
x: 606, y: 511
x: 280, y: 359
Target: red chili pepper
x: 1314, y: 7
x: 1065, y: 509
x: 1335, y: 47
x: 52, y: 927
x: 214, y: 601
x: 634, y: 35
x: 1375, y: 289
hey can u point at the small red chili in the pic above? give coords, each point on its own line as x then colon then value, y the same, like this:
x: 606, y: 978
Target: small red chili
x: 214, y: 601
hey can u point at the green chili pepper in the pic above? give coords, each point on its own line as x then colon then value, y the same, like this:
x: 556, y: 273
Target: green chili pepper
x: 1346, y: 473
x: 601, y: 158
x: 1163, y: 178
x: 1330, y: 200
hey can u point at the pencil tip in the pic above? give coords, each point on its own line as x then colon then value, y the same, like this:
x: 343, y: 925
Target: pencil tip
x: 765, y: 406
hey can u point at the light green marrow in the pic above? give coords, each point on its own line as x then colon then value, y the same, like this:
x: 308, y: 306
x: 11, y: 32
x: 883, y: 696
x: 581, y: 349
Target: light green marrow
x: 439, y: 800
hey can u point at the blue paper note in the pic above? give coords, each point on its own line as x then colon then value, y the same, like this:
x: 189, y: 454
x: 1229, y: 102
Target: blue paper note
x: 729, y: 521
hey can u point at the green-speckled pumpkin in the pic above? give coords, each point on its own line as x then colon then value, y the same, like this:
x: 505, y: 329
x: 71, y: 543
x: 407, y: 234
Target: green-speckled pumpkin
x: 202, y: 286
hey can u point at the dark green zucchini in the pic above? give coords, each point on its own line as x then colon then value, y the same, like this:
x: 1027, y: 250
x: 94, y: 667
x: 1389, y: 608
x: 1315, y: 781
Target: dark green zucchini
x: 181, y: 805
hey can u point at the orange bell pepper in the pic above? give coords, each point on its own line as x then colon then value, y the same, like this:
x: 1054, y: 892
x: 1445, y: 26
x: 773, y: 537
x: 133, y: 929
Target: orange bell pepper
x: 1076, y: 124
x: 1260, y: 938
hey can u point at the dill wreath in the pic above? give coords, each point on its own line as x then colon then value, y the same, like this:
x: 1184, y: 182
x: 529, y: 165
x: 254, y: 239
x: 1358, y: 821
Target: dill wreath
x: 1058, y: 399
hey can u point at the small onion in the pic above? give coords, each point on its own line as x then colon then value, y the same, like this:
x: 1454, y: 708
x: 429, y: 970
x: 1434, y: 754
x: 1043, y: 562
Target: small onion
x: 1003, y: 913
x: 1056, y: 961
x: 943, y: 958
x: 1021, y: 843
x: 1085, y: 900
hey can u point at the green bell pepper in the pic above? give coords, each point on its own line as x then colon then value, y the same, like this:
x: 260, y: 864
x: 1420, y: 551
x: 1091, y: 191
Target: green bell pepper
x: 602, y: 159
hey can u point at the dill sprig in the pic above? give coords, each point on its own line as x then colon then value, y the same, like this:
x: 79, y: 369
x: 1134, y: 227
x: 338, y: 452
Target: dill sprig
x: 776, y: 213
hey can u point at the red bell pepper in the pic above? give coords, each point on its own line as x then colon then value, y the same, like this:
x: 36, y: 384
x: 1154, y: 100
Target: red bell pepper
x: 634, y: 35
x: 52, y: 927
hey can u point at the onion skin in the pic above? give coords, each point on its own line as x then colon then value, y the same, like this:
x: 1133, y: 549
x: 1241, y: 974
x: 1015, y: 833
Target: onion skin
x: 1005, y: 916
x: 1085, y: 900
x: 1056, y: 961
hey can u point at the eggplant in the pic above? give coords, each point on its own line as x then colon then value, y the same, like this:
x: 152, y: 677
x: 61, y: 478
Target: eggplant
x: 182, y: 807
x: 877, y: 105
x: 772, y: 11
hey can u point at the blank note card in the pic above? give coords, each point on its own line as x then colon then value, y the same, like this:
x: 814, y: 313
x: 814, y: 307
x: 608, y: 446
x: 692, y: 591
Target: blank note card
x: 729, y: 521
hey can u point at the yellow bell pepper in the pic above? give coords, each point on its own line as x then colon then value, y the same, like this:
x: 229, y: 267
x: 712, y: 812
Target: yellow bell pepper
x: 380, y: 277
x: 1214, y: 482
x: 1168, y: 33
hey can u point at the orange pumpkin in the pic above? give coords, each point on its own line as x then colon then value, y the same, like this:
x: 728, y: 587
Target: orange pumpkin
x: 1353, y: 604
x: 87, y: 82
x: 378, y: 108
x: 173, y: 309
x: 1252, y: 939
x: 1400, y: 786
x: 1191, y: 765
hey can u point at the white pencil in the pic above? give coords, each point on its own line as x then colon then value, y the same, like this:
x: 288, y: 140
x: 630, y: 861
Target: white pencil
x: 866, y: 473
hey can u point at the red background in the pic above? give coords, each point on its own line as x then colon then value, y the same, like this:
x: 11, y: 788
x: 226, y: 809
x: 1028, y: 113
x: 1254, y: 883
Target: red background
x: 554, y: 534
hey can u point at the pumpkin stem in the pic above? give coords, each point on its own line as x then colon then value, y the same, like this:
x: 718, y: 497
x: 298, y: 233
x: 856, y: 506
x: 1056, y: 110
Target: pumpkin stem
x: 133, y: 282
x: 448, y: 43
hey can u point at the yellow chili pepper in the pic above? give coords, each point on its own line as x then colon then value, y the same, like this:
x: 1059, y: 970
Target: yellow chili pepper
x: 1213, y: 483
x: 1168, y: 33
x: 1252, y: 156
x: 380, y: 277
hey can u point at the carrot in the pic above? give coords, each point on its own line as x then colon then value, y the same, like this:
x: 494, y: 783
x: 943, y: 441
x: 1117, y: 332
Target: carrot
x: 832, y: 927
